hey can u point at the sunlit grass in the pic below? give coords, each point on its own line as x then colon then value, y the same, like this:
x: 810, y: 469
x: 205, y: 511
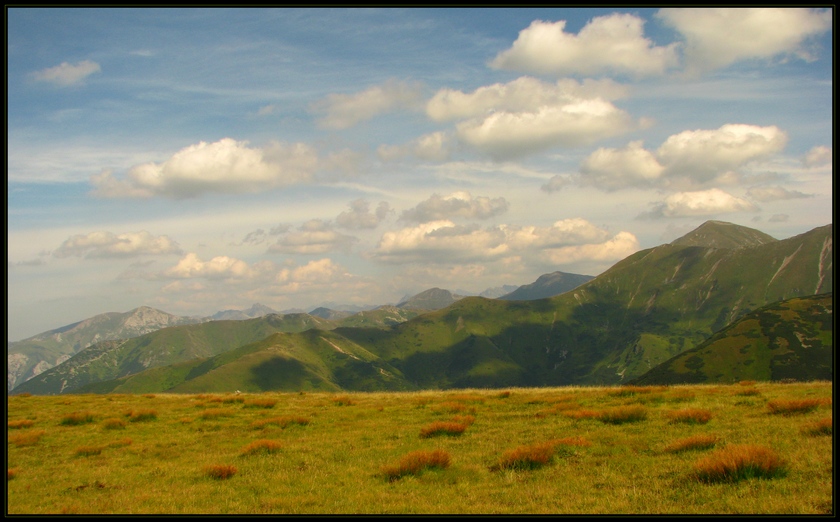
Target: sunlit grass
x: 738, y: 462
x: 415, y: 463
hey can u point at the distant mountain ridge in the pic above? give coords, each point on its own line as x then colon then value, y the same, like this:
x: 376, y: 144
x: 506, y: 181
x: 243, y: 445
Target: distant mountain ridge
x: 547, y: 285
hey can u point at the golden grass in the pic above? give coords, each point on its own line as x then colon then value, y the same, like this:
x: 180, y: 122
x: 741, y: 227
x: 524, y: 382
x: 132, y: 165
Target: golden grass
x: 220, y: 471
x: 77, y: 418
x: 689, y: 416
x: 260, y: 403
x: 526, y: 457
x: 453, y: 407
x: 792, y: 406
x: 18, y: 424
x: 442, y: 428
x: 739, y: 462
x: 26, y: 438
x: 261, y: 446
x: 343, y: 400
x: 821, y: 427
x: 581, y: 413
x: 215, y: 413
x: 141, y: 415
x: 415, y: 463
x: 283, y: 422
x: 695, y: 442
x: 623, y: 414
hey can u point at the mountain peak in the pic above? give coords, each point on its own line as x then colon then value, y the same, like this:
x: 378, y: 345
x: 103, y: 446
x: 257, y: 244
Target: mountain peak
x: 721, y: 234
x: 431, y: 299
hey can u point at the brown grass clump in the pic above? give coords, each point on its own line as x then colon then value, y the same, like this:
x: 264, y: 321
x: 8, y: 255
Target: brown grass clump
x: 121, y: 443
x: 261, y: 446
x: 738, y: 462
x: 149, y: 395
x: 283, y: 422
x: 623, y: 414
x: 442, y: 428
x: 747, y: 383
x: 695, y: 442
x: 220, y: 471
x: 24, y: 423
x: 681, y: 395
x: 114, y: 423
x: 689, y: 416
x: 464, y: 419
x: 141, y: 415
x: 77, y: 418
x: 628, y: 391
x: 26, y: 438
x: 820, y: 427
x: 416, y: 462
x: 260, y: 403
x: 747, y: 392
x: 790, y: 407
x: 526, y: 457
x: 87, y: 451
x: 11, y: 473
x: 453, y: 407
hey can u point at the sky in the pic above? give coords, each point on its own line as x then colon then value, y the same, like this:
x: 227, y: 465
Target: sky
x: 198, y: 160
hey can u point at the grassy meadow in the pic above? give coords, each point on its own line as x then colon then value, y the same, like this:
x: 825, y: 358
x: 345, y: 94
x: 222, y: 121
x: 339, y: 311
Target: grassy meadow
x: 745, y: 448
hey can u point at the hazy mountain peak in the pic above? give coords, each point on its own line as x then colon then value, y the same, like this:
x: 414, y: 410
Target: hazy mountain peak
x: 721, y: 234
x: 431, y: 299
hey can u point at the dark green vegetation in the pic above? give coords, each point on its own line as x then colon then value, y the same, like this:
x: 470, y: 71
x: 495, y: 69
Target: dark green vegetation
x: 791, y: 339
x: 645, y: 310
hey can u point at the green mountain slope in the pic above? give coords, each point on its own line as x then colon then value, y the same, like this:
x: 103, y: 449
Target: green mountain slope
x: 311, y: 361
x: 791, y: 339
x: 113, y: 359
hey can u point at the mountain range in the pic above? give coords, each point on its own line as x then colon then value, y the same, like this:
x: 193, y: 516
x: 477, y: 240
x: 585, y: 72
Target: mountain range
x: 615, y: 328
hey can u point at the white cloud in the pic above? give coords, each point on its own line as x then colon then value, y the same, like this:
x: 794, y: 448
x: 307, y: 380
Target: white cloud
x: 818, y: 156
x: 108, y: 244
x: 504, y: 135
x: 445, y: 242
x: 704, y: 154
x: 717, y: 37
x: 67, y: 74
x: 219, y: 267
x: 313, y: 237
x: 700, y: 203
x: 616, y: 248
x: 435, y: 146
x: 556, y: 183
x: 226, y: 166
x: 457, y: 204
x: 774, y: 194
x: 342, y: 111
x: 359, y: 216
x: 614, y: 43
x: 612, y: 169
x: 525, y: 94
x: 319, y: 271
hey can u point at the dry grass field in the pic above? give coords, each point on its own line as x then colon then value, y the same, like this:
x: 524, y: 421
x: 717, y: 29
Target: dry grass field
x: 746, y: 448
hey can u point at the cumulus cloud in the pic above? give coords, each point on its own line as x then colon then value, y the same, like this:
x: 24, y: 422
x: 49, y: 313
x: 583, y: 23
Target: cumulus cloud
x: 67, y: 74
x: 360, y: 216
x: 607, y: 44
x: 616, y: 248
x: 457, y: 204
x: 717, y: 37
x: 690, y: 158
x: 699, y: 203
x: 818, y: 156
x: 612, y: 169
x: 320, y: 271
x: 108, y: 244
x: 341, y: 111
x: 226, y: 166
x: 443, y: 241
x: 556, y: 183
x: 219, y: 267
x: 774, y: 194
x: 527, y: 115
x: 313, y: 237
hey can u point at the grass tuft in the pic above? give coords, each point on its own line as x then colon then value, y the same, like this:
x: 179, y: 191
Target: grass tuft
x: 114, y: 423
x: 220, y: 471
x: 18, y: 424
x: 260, y: 403
x: 738, y: 462
x: 87, y: 451
x: 77, y: 418
x: 442, y: 428
x: 791, y: 407
x: 623, y: 414
x: 283, y: 422
x: 11, y: 473
x: 526, y: 457
x: 581, y: 413
x: 689, y: 416
x: 26, y: 438
x: 261, y: 446
x: 415, y: 463
x: 141, y: 415
x: 343, y: 400
x: 820, y: 427
x: 695, y: 442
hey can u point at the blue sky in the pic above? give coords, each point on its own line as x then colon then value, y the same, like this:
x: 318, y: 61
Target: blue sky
x: 195, y: 160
